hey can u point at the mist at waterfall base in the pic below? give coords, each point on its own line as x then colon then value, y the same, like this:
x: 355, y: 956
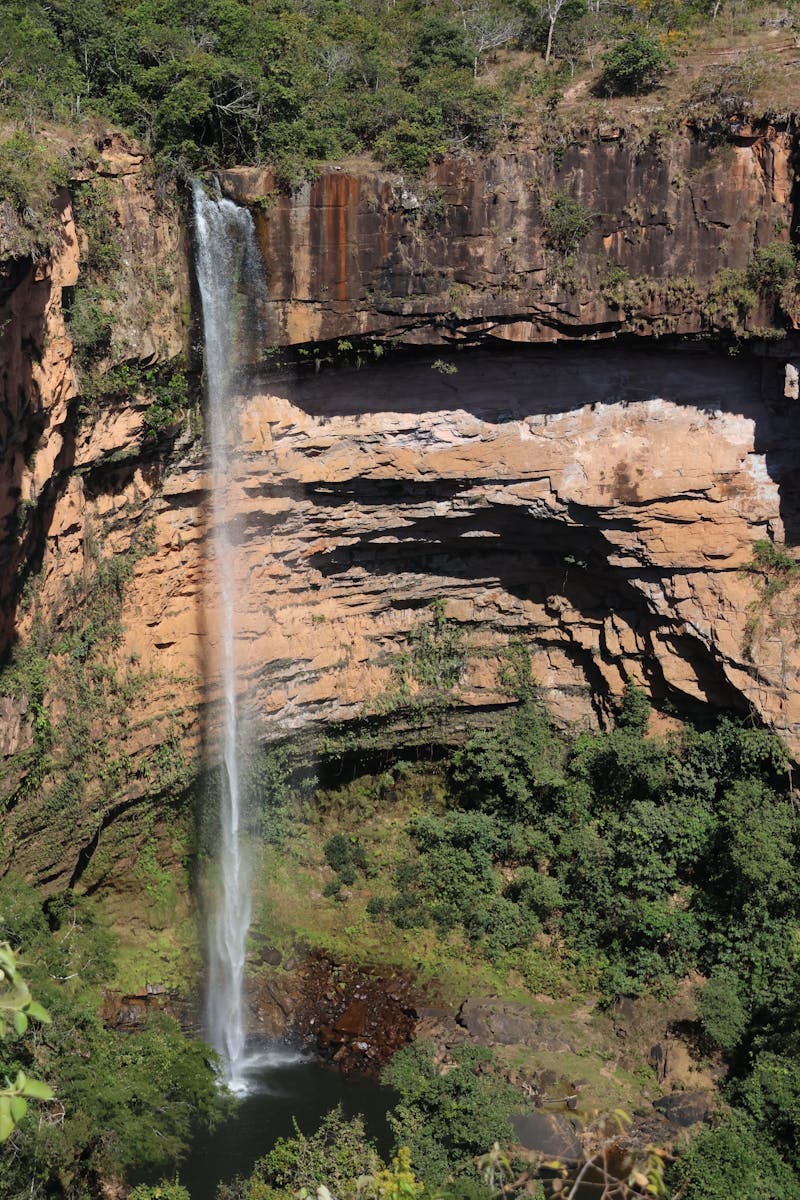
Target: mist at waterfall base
x: 283, y: 1087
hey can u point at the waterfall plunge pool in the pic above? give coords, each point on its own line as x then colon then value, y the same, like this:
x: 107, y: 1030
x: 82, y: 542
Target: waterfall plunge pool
x: 285, y: 1085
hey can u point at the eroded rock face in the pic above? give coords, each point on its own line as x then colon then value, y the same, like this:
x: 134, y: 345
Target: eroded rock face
x: 76, y: 480
x: 595, y: 501
x: 469, y: 254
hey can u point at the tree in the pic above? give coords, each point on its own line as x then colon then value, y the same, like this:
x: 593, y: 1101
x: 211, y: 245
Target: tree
x: 722, y: 1012
x: 487, y: 29
x: 634, y: 711
x: 552, y: 8
x: 566, y: 222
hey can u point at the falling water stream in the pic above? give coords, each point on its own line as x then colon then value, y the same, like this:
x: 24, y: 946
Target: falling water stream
x: 226, y: 252
x: 278, y: 1085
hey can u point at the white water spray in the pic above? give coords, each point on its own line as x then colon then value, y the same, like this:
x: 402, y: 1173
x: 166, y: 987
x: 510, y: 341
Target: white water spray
x: 225, y: 250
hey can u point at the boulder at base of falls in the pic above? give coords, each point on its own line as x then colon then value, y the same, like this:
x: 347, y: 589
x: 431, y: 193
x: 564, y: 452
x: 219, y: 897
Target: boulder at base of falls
x: 507, y: 1023
x: 686, y: 1108
x: 550, y: 1134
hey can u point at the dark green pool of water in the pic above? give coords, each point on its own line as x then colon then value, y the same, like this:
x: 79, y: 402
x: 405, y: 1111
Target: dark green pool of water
x: 283, y: 1085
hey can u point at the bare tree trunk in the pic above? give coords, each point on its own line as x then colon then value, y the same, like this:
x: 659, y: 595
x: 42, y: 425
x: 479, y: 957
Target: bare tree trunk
x: 549, y: 40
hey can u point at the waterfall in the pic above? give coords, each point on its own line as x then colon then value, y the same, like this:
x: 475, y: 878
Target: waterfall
x: 225, y: 253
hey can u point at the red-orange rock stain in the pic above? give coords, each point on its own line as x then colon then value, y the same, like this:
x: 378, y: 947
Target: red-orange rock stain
x: 338, y: 198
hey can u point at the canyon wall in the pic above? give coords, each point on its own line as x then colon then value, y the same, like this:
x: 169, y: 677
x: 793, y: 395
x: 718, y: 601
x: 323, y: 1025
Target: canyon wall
x: 466, y: 254
x: 467, y: 414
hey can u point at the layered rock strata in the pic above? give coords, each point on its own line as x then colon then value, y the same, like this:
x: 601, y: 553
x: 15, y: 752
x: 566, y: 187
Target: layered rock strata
x: 475, y: 250
x: 596, y: 502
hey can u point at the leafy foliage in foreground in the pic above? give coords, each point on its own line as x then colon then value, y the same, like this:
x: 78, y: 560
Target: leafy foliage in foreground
x: 18, y: 1006
x: 124, y: 1102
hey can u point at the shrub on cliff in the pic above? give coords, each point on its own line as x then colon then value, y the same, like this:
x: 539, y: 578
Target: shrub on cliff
x: 566, y: 222
x: 729, y: 90
x: 730, y: 298
x: 774, y: 273
x: 635, y: 65
x: 29, y: 177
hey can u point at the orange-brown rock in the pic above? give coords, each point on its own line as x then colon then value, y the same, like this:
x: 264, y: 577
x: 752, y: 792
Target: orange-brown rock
x: 467, y: 254
x: 597, y: 501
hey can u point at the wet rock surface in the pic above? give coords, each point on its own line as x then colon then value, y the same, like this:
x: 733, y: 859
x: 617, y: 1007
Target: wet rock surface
x: 354, y: 1017
x: 685, y: 1109
x: 129, y: 1012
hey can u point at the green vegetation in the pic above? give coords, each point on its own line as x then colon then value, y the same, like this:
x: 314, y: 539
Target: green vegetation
x: 613, y: 863
x: 425, y: 677
x: 735, y: 1159
x: 730, y: 297
x: 346, y: 857
x: 336, y: 1155
x: 445, y: 1115
x: 243, y: 82
x: 637, y: 64
x: 446, y: 1120
x: 775, y: 565
x: 164, y: 388
x: 294, y: 83
x: 17, y: 1005
x: 630, y: 851
x: 775, y: 570
x: 123, y: 1101
x: 160, y: 1191
x: 728, y: 90
x: 82, y: 696
x: 30, y: 174
x: 566, y: 222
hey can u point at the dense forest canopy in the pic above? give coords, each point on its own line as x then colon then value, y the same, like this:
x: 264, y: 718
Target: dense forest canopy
x: 295, y: 81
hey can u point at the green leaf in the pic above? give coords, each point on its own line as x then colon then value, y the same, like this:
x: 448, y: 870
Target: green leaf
x: 20, y: 1023
x: 38, y: 1090
x: 6, y: 1120
x: 38, y: 1012
x: 18, y: 1108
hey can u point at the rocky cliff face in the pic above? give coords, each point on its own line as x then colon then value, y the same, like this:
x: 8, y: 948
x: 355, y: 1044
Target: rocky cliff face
x: 471, y: 253
x: 597, y: 502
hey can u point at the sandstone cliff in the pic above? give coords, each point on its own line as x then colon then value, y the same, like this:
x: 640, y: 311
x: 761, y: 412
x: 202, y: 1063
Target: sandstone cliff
x: 596, y: 500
